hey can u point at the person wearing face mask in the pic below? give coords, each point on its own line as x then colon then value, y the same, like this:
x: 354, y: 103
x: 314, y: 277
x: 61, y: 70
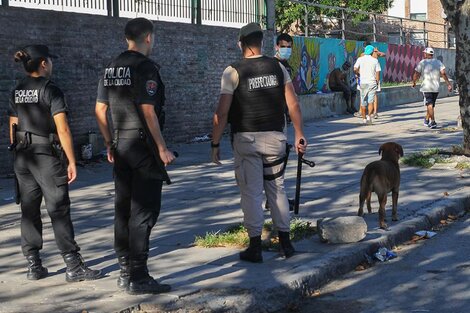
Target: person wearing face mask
x: 253, y: 94
x: 339, y: 81
x: 283, y: 53
x: 40, y: 135
x: 132, y: 88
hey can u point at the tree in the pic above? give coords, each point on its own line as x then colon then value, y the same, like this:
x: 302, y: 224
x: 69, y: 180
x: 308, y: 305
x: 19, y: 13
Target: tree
x: 292, y: 12
x: 458, y: 15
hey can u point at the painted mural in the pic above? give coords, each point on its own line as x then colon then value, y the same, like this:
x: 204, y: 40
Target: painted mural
x: 314, y: 58
x: 401, y: 61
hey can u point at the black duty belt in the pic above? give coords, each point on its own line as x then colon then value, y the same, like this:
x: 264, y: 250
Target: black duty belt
x: 129, y: 134
x: 28, y: 138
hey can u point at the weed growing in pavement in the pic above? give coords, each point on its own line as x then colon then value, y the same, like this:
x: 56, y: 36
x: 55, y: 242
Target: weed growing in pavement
x: 425, y: 158
x: 236, y: 236
x: 463, y: 165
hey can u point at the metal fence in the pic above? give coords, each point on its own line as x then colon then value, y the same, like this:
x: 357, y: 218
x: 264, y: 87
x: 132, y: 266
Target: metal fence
x: 345, y: 23
x: 233, y: 13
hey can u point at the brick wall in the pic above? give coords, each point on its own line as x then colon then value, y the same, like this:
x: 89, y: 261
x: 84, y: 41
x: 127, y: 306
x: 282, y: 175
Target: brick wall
x: 192, y: 57
x: 436, y: 35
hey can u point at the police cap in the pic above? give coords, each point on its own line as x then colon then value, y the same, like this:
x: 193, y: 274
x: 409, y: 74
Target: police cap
x: 38, y: 51
x: 249, y: 29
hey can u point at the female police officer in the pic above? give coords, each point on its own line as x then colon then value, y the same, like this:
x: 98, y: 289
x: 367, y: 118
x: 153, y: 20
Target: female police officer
x: 39, y: 110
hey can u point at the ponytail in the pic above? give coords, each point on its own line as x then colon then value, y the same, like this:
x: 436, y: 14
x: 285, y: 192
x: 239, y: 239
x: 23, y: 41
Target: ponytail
x: 29, y: 64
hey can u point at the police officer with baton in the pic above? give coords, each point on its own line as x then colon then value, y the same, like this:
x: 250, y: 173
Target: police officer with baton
x: 132, y: 88
x: 40, y: 134
x: 254, y: 93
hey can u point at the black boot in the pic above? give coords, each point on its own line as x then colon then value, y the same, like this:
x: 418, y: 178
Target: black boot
x: 286, y: 245
x: 35, y: 269
x: 253, y: 253
x: 77, y: 269
x: 123, y: 280
x: 141, y: 282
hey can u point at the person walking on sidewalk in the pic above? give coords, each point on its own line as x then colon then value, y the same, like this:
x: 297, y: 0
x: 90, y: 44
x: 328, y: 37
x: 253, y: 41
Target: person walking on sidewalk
x: 133, y: 89
x: 252, y: 99
x: 368, y: 69
x: 431, y: 70
x: 38, y: 111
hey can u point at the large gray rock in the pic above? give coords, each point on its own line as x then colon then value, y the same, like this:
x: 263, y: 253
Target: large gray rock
x: 345, y: 229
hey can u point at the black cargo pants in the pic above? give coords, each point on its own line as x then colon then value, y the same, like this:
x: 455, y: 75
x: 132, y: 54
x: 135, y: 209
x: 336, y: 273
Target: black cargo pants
x: 41, y: 174
x: 138, y: 186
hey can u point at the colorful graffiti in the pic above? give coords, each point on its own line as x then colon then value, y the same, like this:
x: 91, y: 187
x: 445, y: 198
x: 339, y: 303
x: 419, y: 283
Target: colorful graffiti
x: 314, y: 58
x: 309, y: 57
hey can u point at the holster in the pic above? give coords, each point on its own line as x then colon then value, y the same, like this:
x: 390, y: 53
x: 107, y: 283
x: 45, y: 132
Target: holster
x: 277, y: 162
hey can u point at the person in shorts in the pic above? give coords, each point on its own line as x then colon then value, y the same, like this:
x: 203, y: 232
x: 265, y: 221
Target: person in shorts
x: 431, y: 70
x: 368, y: 69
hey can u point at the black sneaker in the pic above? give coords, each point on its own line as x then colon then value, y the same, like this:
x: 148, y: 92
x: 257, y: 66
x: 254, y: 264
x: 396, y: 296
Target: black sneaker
x: 433, y: 125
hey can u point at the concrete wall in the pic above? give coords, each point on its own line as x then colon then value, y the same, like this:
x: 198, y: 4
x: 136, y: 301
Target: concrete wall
x: 192, y: 57
x: 330, y: 104
x: 314, y: 58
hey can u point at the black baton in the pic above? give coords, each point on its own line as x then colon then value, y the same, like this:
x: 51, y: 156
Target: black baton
x: 300, y: 160
x: 297, y: 182
x: 11, y: 148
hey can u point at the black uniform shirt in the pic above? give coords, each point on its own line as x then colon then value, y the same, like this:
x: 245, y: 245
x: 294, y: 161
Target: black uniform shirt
x: 130, y: 79
x: 287, y: 66
x: 35, y: 101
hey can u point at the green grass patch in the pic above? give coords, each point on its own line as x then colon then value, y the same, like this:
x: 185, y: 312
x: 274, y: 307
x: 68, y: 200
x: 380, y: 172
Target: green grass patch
x: 394, y: 84
x: 463, y: 165
x: 237, y: 236
x: 450, y: 129
x: 234, y: 236
x: 425, y: 158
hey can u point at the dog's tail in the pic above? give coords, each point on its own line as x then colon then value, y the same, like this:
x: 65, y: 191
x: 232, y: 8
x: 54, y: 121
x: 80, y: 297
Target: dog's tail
x: 367, y: 180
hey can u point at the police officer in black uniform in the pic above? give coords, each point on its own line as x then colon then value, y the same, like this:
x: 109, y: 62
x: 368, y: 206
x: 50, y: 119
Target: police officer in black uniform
x: 38, y: 108
x: 132, y: 88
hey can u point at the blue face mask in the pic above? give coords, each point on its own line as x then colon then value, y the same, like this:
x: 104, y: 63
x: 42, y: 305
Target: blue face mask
x: 285, y: 53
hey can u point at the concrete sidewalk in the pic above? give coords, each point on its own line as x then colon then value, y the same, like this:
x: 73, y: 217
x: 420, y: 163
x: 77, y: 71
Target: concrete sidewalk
x: 204, y: 197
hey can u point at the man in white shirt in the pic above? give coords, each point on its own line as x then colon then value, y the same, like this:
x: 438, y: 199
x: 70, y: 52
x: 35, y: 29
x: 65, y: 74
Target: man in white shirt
x: 432, y: 70
x: 368, y: 69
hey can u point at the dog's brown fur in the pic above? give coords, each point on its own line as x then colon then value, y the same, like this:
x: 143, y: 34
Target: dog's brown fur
x: 382, y: 177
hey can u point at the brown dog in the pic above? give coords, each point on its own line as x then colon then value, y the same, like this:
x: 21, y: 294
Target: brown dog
x: 382, y: 177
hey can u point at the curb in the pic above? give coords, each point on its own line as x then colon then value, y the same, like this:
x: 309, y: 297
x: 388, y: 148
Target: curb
x: 320, y: 273
x: 311, y: 276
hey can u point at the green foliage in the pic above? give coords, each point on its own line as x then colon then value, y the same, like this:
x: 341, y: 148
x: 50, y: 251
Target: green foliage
x: 425, y: 158
x: 236, y: 236
x: 288, y: 13
x: 462, y: 165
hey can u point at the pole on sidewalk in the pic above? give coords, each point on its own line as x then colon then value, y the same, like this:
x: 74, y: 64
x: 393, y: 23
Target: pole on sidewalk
x: 270, y: 15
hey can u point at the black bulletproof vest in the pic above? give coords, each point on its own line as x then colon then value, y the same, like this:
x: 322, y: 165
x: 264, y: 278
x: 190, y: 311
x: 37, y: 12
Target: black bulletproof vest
x: 34, y: 113
x: 258, y: 102
x: 287, y: 66
x: 122, y: 80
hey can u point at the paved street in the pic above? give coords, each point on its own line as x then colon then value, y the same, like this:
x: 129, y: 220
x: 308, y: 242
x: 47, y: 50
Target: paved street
x: 429, y: 276
x: 204, y: 197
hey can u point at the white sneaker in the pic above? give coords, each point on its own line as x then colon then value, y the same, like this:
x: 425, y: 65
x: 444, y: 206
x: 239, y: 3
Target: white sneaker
x: 369, y: 120
x: 364, y: 121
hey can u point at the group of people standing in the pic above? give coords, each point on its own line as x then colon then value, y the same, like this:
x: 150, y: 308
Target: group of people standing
x: 366, y: 79
x: 132, y: 87
x: 256, y: 94
x: 257, y: 98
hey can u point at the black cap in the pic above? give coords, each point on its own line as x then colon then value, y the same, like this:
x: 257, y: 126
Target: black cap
x: 249, y: 29
x: 38, y: 51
